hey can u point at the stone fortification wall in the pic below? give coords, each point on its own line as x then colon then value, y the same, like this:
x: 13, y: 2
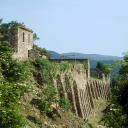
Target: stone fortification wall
x: 84, y: 62
x: 81, y: 91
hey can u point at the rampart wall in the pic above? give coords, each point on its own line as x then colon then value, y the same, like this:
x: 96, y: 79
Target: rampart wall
x: 81, y: 90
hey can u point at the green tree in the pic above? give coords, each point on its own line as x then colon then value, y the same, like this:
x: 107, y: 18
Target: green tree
x: 103, y: 68
x: 42, y: 51
x: 116, y: 115
x: 35, y: 37
x: 124, y: 68
x: 6, y: 27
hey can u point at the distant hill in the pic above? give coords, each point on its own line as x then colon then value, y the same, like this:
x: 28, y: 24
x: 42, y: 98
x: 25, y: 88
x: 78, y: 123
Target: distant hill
x: 94, y: 58
x: 97, y: 57
x: 54, y: 55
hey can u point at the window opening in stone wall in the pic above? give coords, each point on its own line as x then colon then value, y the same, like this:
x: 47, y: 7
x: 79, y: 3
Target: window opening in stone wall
x: 23, y: 37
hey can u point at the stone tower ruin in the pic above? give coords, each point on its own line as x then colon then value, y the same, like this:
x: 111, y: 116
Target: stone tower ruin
x: 21, y: 39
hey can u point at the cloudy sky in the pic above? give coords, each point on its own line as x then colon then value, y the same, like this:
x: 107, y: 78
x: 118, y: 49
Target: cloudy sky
x: 86, y: 26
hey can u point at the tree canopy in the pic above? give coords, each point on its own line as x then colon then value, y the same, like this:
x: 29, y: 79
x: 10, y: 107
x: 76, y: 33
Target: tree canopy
x: 103, y: 68
x: 116, y: 115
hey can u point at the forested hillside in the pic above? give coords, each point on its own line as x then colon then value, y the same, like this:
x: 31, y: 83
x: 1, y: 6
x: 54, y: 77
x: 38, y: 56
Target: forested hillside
x: 94, y: 58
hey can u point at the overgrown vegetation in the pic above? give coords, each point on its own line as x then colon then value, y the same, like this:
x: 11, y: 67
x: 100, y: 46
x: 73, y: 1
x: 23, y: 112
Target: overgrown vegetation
x: 103, y: 68
x: 42, y: 51
x: 48, y: 95
x: 16, y: 79
x: 116, y: 114
x: 12, y: 87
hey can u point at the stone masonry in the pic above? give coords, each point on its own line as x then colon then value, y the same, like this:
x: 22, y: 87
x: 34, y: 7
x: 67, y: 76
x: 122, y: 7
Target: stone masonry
x: 81, y: 90
x: 21, y: 39
x: 84, y: 62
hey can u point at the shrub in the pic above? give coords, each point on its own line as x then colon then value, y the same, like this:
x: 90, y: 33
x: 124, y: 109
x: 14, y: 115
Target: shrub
x: 64, y: 66
x: 5, y: 51
x: 10, y: 94
x: 47, y: 69
x: 13, y: 71
x: 115, y: 117
x: 42, y: 51
x: 11, y: 118
x: 48, y: 97
x: 64, y: 103
x: 13, y: 75
x: 5, y: 47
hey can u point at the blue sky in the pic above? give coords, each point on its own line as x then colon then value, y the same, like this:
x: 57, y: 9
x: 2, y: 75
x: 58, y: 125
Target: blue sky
x: 86, y: 26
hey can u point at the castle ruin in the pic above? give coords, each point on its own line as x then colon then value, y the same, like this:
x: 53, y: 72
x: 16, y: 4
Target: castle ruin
x: 21, y: 39
x: 81, y: 90
x: 76, y: 84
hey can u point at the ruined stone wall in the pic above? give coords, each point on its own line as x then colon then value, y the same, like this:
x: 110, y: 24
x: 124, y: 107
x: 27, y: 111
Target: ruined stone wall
x: 22, y: 41
x: 13, y: 38
x: 84, y: 62
x: 81, y: 91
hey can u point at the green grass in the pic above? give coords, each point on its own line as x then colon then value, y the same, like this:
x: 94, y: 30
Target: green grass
x: 95, y: 118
